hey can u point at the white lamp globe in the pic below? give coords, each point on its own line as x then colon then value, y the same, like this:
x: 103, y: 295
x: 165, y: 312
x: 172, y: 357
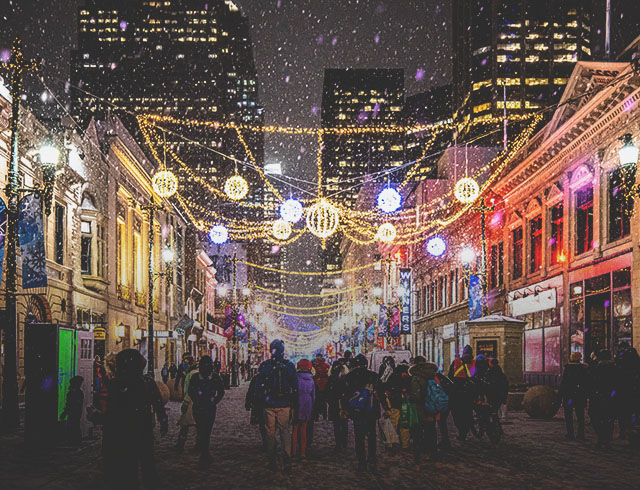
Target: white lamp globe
x: 218, y: 234
x: 389, y: 200
x: 436, y: 246
x: 467, y: 255
x: 291, y: 210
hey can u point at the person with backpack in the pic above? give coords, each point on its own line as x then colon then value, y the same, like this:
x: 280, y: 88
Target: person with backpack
x: 463, y: 374
x: 254, y: 403
x: 206, y: 390
x: 304, y: 410
x: 430, y: 400
x: 278, y: 383
x: 360, y: 402
x: 396, y: 394
x: 335, y: 391
x: 321, y: 377
x: 605, y: 377
x: 447, y: 386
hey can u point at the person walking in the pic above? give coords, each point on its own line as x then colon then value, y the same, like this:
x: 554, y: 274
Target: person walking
x: 186, y: 419
x: 396, y: 391
x: 255, y: 403
x: 173, y: 370
x: 462, y: 372
x: 361, y: 404
x: 425, y: 439
x: 127, y: 441
x: 164, y: 372
x: 185, y: 366
x: 602, y: 398
x: 442, y: 419
x: 321, y: 378
x: 206, y: 390
x: 73, y: 411
x: 628, y: 396
x: 574, y: 388
x: 278, y: 381
x: 335, y: 391
x: 304, y: 410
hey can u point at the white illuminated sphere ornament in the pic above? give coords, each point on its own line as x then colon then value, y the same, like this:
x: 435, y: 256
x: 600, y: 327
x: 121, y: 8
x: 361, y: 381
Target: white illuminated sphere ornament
x: 466, y: 190
x: 436, y: 246
x: 386, y: 233
x: 323, y: 219
x: 236, y: 188
x: 291, y: 210
x: 467, y: 255
x: 389, y: 200
x: 281, y: 229
x: 218, y: 234
x: 165, y: 183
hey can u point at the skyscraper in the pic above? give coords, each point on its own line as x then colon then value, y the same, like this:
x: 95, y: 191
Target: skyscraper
x: 528, y: 48
x: 356, y: 98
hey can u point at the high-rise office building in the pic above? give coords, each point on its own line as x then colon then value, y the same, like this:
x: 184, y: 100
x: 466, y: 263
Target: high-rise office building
x: 522, y: 49
x: 356, y: 98
x: 622, y: 26
x: 190, y: 59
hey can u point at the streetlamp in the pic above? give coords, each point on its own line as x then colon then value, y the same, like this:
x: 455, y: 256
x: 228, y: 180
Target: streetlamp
x: 629, y: 152
x: 258, y: 309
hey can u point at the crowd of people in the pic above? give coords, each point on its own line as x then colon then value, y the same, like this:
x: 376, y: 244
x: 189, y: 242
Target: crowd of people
x: 408, y: 404
x: 610, y: 388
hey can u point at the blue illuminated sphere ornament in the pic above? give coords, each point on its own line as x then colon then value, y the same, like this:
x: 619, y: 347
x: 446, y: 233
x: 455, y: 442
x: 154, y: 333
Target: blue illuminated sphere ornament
x: 218, y: 234
x: 291, y: 210
x: 436, y: 246
x: 389, y: 200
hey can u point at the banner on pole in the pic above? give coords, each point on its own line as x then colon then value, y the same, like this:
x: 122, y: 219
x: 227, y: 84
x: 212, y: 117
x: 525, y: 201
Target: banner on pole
x: 394, y: 327
x: 382, y: 322
x: 31, y: 240
x: 3, y: 233
x: 405, y: 316
x: 475, y: 297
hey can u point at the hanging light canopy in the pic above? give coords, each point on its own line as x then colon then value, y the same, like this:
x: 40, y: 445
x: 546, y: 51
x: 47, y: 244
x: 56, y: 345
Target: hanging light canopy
x: 281, y: 229
x: 236, y: 188
x: 386, y: 233
x: 466, y: 190
x: 165, y: 183
x: 389, y: 200
x: 629, y: 152
x: 436, y: 246
x: 323, y: 219
x: 291, y: 210
x: 218, y: 234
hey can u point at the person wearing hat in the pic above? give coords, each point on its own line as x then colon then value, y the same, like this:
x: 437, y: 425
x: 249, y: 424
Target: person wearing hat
x: 463, y: 372
x: 573, y: 391
x: 304, y: 411
x: 278, y: 384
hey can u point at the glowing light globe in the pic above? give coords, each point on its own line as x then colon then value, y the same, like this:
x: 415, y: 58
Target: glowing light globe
x: 165, y: 183
x: 386, y: 233
x: 218, y: 234
x: 323, y: 219
x: 389, y: 200
x: 436, y: 246
x: 281, y: 229
x: 291, y: 210
x: 236, y: 188
x: 467, y: 255
x: 466, y: 190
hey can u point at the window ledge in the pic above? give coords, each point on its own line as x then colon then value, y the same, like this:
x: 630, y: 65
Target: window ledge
x: 95, y: 283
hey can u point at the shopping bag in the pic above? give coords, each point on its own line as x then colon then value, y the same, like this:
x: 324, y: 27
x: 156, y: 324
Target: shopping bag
x: 413, y: 414
x: 389, y: 434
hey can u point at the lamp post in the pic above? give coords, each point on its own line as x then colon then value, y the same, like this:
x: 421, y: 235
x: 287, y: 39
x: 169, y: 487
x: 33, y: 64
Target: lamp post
x: 483, y: 209
x: 258, y: 309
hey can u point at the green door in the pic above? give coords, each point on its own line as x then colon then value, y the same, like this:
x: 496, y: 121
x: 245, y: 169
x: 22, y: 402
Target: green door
x: 67, y: 349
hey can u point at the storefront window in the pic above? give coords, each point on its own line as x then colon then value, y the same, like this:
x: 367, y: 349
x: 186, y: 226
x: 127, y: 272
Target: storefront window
x: 622, y: 278
x: 552, y: 355
x: 622, y: 323
x: 577, y: 326
x: 556, y: 215
x: 517, y: 252
x: 620, y: 204
x: 535, y: 240
x: 598, y: 284
x: 584, y: 220
x: 533, y: 350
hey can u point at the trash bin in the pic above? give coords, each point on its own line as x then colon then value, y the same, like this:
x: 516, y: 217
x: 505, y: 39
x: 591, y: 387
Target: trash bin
x: 226, y: 379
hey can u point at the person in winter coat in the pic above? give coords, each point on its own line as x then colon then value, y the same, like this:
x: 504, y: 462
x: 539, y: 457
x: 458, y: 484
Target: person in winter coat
x: 463, y: 373
x: 165, y: 373
x: 278, y: 381
x: 254, y: 402
x: 173, y: 371
x: 186, y: 419
x: 496, y: 387
x: 183, y: 369
x: 321, y: 377
x: 424, y: 434
x: 602, y: 398
x: 304, y: 411
x: 127, y: 441
x: 396, y: 392
x: 628, y: 396
x: 574, y: 388
x: 360, y: 402
x: 73, y: 410
x: 442, y: 419
x: 206, y: 390
x: 335, y: 390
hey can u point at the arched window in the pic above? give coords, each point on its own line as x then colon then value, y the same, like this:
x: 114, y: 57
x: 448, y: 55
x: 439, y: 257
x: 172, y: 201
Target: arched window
x: 92, y: 239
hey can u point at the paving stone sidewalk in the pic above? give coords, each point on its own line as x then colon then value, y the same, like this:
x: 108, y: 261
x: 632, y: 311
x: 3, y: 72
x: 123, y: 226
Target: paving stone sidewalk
x: 533, y: 454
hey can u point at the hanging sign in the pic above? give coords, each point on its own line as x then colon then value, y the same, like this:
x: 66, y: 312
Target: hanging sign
x: 405, y: 315
x: 31, y: 239
x: 382, y: 322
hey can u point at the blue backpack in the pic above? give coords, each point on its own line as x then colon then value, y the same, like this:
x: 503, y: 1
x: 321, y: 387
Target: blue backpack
x: 276, y: 385
x: 436, y: 400
x: 361, y: 402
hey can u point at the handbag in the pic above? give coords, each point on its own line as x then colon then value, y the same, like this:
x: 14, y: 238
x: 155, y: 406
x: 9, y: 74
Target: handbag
x: 389, y: 434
